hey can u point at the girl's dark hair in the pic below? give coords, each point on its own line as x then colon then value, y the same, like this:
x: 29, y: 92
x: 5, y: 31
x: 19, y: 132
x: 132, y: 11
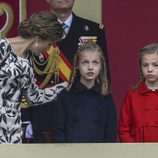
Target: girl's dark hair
x: 148, y: 49
x: 102, y: 78
x: 43, y: 24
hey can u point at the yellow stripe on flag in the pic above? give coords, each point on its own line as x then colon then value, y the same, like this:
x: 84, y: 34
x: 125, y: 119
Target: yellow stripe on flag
x: 64, y: 68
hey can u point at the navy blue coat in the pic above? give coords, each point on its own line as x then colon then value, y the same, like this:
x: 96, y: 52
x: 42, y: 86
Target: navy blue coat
x: 41, y: 116
x: 84, y: 116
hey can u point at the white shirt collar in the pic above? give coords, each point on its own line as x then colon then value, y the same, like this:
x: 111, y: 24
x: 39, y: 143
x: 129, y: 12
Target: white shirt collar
x: 68, y: 21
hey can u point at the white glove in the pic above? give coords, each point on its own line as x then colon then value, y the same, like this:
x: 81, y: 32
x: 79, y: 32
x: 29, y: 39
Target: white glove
x: 29, y: 131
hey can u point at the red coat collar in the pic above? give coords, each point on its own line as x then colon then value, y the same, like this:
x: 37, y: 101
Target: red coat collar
x: 144, y: 90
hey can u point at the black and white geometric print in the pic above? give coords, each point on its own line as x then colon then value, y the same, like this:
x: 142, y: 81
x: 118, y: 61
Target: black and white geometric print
x: 16, y: 80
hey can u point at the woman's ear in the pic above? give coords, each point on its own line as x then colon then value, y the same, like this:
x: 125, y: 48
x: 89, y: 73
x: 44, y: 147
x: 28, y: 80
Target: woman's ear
x: 36, y: 41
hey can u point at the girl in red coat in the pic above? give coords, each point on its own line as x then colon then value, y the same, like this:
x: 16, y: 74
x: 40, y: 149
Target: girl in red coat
x: 139, y: 116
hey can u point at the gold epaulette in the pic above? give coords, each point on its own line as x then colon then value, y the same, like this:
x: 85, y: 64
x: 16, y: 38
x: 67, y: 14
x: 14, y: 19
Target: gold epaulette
x: 101, y: 26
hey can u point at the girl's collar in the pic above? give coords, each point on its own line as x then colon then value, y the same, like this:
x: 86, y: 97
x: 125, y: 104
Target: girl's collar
x: 143, y: 89
x: 78, y: 86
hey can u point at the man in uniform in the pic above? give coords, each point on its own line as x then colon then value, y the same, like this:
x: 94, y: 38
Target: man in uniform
x: 48, y: 72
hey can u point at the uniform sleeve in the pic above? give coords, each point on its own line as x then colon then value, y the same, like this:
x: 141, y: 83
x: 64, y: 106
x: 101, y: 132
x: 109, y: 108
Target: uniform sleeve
x: 124, y: 125
x: 111, y: 126
x: 36, y: 96
x: 59, y: 121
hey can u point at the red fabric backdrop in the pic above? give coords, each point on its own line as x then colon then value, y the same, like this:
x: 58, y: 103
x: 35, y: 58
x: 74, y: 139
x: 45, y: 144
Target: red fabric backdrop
x: 130, y: 24
x: 37, y: 5
x: 31, y: 7
x: 3, y: 18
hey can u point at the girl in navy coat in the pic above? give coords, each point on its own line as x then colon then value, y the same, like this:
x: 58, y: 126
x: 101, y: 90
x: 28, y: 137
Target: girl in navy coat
x: 85, y: 111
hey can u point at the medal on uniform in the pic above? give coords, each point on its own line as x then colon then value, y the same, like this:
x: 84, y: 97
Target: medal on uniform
x: 84, y: 39
x: 86, y: 28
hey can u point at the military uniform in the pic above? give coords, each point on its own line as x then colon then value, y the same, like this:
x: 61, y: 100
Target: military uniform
x: 80, y: 31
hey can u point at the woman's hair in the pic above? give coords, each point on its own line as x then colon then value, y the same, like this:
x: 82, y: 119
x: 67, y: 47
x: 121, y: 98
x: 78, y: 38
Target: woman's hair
x: 148, y: 49
x: 75, y: 74
x: 43, y: 24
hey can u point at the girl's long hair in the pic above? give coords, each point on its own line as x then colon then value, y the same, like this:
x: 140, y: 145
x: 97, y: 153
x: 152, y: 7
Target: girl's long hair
x: 102, y: 78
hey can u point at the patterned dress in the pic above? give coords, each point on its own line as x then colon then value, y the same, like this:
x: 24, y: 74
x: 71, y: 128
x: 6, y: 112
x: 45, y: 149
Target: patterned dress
x: 16, y: 80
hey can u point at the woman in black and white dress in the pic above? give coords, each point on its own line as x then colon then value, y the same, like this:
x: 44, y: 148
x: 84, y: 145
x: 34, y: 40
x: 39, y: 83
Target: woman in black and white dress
x: 36, y: 34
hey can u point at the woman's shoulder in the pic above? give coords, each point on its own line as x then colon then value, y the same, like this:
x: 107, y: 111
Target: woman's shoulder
x: 3, y: 40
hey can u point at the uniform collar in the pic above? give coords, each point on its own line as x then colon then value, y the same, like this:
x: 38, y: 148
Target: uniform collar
x: 68, y: 21
x: 79, y: 87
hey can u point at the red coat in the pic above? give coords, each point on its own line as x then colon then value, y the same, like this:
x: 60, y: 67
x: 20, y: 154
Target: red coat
x: 139, y: 116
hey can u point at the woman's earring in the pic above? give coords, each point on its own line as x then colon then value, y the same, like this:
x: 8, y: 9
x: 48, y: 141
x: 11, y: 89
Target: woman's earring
x: 36, y: 44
